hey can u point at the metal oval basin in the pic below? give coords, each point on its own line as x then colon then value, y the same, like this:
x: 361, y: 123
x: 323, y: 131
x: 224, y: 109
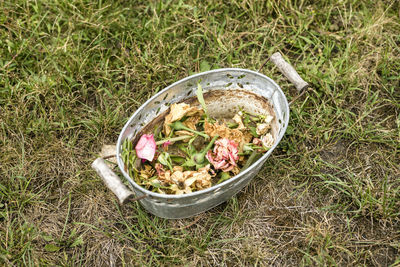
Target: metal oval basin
x: 225, y: 90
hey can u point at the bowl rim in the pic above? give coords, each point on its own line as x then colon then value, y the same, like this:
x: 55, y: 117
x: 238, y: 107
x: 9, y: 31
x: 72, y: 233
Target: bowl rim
x: 215, y: 187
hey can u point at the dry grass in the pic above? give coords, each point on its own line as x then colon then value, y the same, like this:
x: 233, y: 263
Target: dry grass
x: 72, y: 73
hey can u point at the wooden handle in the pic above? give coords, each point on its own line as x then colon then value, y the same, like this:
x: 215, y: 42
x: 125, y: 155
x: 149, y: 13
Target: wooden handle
x: 289, y: 71
x: 112, y: 181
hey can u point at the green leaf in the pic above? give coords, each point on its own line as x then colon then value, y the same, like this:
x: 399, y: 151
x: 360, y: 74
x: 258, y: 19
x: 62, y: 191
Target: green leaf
x: 232, y: 125
x: 178, y: 159
x: 255, y: 155
x: 47, y: 238
x: 224, y: 176
x: 158, y: 185
x: 204, y: 66
x: 253, y: 131
x: 189, y: 163
x: 199, y: 94
x: 51, y: 248
x: 155, y: 184
x: 78, y: 242
x: 162, y: 159
x: 73, y: 233
x: 165, y: 160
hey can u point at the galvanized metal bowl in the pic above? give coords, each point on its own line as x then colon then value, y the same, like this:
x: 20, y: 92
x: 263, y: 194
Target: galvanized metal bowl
x: 225, y: 91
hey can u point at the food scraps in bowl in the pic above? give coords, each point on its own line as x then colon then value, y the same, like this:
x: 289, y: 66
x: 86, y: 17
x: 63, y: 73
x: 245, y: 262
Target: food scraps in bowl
x: 192, y: 150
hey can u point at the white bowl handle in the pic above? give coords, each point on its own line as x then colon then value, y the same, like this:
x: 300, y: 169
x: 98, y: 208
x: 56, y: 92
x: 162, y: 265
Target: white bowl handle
x: 112, y: 181
x: 289, y: 71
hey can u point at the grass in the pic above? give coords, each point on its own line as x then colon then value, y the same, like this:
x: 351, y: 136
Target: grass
x: 72, y: 73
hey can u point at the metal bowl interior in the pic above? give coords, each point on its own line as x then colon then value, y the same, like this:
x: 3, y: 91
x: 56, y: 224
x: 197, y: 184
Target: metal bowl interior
x: 225, y: 91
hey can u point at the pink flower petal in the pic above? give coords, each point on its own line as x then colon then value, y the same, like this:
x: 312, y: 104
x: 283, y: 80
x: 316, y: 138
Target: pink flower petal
x: 209, y: 156
x: 160, y: 170
x: 166, y: 144
x: 229, y: 168
x: 146, y: 147
x: 221, y: 165
x: 225, y: 155
x: 232, y: 159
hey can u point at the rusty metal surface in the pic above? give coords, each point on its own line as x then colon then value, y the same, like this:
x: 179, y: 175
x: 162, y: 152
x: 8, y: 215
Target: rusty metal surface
x: 225, y: 90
